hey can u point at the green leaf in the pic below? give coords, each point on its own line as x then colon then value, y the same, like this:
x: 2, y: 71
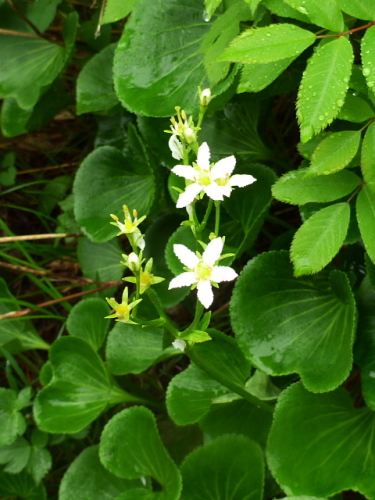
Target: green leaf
x: 282, y: 9
x: 265, y: 45
x: 325, y: 14
x: 183, y: 235
x: 54, y: 192
x: 113, y: 183
x: 16, y: 334
x: 133, y: 349
x: 21, y: 486
x: 256, y: 77
x: 117, y: 9
x: 362, y: 9
x: 296, y: 188
x: 87, y: 321
x: 87, y: 479
x: 367, y: 54
x: 323, y: 87
x: 355, y: 109
x: 15, y: 455
x: 95, y: 90
x: 197, y: 336
x: 319, y: 239
x: 321, y: 436
x: 334, y: 153
x: 41, y: 13
x: 261, y: 386
x: 8, y: 170
x: 12, y: 422
x: 80, y: 389
x: 141, y: 453
x: 211, y: 6
x: 368, y: 157
x: 29, y: 64
x: 231, y: 466
x: 366, y: 219
x: 39, y: 464
x: 146, y: 74
x: 290, y: 325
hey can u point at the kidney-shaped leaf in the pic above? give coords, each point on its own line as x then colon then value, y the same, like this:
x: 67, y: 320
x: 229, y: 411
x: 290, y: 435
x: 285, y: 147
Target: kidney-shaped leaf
x: 289, y: 325
x: 319, y: 445
x: 131, y: 448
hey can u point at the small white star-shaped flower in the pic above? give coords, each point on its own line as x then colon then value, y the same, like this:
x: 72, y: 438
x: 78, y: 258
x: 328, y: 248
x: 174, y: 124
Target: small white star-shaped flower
x: 202, y: 271
x: 215, y: 180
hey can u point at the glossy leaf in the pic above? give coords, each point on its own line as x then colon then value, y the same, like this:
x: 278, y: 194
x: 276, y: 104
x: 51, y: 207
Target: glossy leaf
x: 296, y: 188
x: 87, y: 479
x: 321, y: 436
x: 290, y: 325
x: 95, y: 90
x: 367, y: 53
x: 113, y: 183
x: 284, y: 10
x: 80, y: 390
x: 323, y: 87
x: 29, y: 64
x: 231, y: 466
x: 22, y: 486
x: 334, y: 153
x: 265, y: 45
x: 362, y: 9
x: 115, y: 10
x: 12, y: 421
x: 355, y: 109
x: 147, y: 74
x: 325, y: 14
x: 141, y: 453
x: 319, y: 239
x: 368, y: 157
x: 87, y: 321
x: 256, y: 77
x: 366, y: 219
x: 211, y: 6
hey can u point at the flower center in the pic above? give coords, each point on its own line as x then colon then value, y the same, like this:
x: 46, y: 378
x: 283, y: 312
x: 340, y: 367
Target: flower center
x: 204, y: 179
x: 122, y: 310
x: 145, y: 279
x: 223, y: 181
x: 203, y: 271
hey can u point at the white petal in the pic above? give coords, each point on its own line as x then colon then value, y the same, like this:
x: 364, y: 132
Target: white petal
x: 203, y: 157
x: 184, y: 279
x: 205, y: 294
x: 176, y: 147
x: 214, y: 191
x: 138, y: 239
x: 241, y: 180
x: 188, y: 196
x: 179, y: 344
x: 223, y: 273
x: 213, y: 251
x: 186, y: 256
x: 223, y: 167
x: 185, y: 171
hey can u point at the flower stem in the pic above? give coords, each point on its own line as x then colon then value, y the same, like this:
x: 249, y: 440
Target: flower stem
x: 207, y: 214
x: 158, y: 306
x: 217, y: 217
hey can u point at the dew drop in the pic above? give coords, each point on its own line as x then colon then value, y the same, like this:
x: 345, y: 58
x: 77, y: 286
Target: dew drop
x: 339, y: 102
x: 321, y: 117
x: 366, y: 71
x: 205, y: 16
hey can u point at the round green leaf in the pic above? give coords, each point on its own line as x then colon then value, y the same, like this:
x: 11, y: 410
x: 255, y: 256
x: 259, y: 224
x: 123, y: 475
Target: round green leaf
x: 319, y: 445
x: 87, y: 321
x: 293, y: 325
x: 231, y: 466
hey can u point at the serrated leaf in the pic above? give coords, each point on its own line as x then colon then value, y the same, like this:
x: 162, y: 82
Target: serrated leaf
x: 368, y: 157
x: 80, y: 390
x: 15, y: 456
x: 95, y: 91
x: 112, y: 183
x: 141, y: 453
x: 256, y: 77
x: 296, y: 188
x: 309, y: 439
x: 290, y: 325
x: 368, y: 58
x: 117, y: 9
x: 40, y: 462
x: 265, y: 45
x: 22, y: 486
x: 282, y: 9
x: 231, y: 466
x: 253, y: 4
x: 334, y: 153
x: 147, y: 74
x: 365, y: 208
x: 323, y: 86
x: 325, y: 14
x: 355, y: 109
x: 362, y: 9
x: 12, y: 422
x: 87, y: 321
x: 319, y: 239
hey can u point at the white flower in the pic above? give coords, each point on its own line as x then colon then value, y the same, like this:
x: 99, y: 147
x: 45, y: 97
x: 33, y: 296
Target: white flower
x: 205, y: 97
x: 179, y: 344
x: 215, y: 180
x: 176, y: 147
x: 202, y: 270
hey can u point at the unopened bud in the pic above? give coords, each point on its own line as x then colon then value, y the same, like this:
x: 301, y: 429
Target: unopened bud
x: 205, y: 97
x: 189, y: 135
x: 134, y: 263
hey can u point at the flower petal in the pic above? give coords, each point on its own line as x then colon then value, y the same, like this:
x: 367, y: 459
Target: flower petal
x: 188, y: 196
x: 176, y: 147
x: 203, y: 157
x: 241, y: 180
x: 213, y: 251
x: 179, y: 344
x: 214, y: 191
x: 223, y: 167
x: 223, y: 273
x: 186, y: 256
x: 205, y: 294
x: 185, y: 171
x: 184, y: 279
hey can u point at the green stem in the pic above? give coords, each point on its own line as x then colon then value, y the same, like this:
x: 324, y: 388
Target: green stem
x: 217, y: 217
x: 158, y: 306
x: 206, y: 216
x: 199, y: 310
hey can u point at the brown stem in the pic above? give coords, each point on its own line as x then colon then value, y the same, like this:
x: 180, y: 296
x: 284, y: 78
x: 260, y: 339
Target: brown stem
x: 348, y: 32
x: 27, y: 21
x: 27, y: 237
x: 52, y: 167
x: 17, y: 33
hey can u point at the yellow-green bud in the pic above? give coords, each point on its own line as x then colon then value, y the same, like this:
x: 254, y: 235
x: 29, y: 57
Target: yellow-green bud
x: 205, y: 97
x: 189, y: 135
x: 134, y: 263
